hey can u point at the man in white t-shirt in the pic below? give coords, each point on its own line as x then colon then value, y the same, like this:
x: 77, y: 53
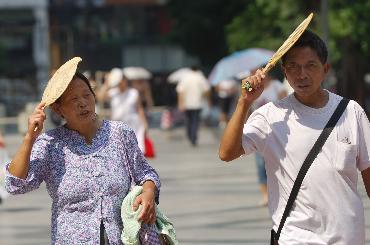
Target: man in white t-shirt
x: 328, y: 208
x: 192, y: 90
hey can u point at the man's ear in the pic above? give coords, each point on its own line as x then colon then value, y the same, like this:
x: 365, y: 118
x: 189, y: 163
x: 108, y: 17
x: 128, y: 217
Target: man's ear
x: 327, y: 68
x: 283, y: 70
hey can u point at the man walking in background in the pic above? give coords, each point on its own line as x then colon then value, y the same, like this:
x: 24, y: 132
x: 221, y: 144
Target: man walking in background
x: 192, y: 90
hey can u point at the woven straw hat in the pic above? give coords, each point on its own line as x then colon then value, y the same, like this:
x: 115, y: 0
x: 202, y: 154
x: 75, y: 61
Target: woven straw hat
x: 60, y: 81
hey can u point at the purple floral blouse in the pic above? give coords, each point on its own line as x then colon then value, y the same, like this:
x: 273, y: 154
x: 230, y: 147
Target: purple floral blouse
x: 87, y: 183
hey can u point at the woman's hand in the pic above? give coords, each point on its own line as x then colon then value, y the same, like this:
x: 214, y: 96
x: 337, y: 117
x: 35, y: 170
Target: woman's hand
x: 146, y: 199
x: 36, y: 121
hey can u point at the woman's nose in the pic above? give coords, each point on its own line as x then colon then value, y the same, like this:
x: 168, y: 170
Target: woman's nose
x: 82, y: 103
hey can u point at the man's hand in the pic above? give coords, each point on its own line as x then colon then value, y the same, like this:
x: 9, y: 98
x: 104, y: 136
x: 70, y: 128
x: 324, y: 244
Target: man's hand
x: 257, y: 83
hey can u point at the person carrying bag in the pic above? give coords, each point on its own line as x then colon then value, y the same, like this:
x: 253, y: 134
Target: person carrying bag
x: 284, y: 133
x: 306, y: 165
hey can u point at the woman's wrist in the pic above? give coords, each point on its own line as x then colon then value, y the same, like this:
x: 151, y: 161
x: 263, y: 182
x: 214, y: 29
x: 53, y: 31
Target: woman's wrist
x: 149, y: 187
x: 28, y: 138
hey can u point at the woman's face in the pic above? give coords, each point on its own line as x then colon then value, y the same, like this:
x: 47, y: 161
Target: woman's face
x: 123, y: 85
x: 77, y: 103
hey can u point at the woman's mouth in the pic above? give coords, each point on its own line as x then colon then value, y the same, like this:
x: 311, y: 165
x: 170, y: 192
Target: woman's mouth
x: 84, y: 113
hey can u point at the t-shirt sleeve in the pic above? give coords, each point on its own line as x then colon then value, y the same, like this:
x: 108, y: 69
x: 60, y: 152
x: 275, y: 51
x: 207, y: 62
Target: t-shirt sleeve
x: 255, y: 132
x: 205, y: 83
x: 135, y: 94
x: 363, y: 161
x: 180, y: 86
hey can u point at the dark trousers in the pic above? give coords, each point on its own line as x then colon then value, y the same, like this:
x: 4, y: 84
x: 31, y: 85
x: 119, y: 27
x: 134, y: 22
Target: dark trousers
x: 103, y: 235
x: 192, y: 125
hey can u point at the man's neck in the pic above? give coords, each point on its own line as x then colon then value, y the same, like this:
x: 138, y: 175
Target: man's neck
x: 317, y: 100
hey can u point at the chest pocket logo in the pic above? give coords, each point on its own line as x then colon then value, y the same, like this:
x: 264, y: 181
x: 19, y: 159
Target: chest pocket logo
x: 345, y: 158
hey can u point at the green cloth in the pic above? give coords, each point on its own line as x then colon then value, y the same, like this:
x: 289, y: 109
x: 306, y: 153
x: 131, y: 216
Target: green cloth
x: 131, y: 226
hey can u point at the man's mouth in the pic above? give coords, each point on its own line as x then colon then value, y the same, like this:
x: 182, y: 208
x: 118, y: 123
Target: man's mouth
x: 303, y: 86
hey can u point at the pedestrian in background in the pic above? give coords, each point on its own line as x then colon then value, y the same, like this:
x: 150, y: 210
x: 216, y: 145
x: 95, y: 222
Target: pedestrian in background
x: 226, y: 90
x: 192, y: 90
x: 125, y: 104
x: 3, y: 159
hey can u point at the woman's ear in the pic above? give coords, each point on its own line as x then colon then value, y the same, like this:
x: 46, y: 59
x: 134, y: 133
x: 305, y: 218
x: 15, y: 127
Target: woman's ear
x: 56, y: 108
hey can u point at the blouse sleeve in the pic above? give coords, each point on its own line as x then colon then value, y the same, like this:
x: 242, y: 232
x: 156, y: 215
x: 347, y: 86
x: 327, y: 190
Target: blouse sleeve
x: 36, y: 173
x: 139, y: 166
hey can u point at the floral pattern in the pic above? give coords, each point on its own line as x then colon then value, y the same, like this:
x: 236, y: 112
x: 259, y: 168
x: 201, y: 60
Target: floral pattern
x: 87, y: 183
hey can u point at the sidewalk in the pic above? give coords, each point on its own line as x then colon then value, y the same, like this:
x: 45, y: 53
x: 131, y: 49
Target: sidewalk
x: 209, y: 202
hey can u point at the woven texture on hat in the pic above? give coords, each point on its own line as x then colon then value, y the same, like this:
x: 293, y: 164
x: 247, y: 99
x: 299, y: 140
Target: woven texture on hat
x: 288, y: 43
x: 60, y: 81
x: 148, y: 234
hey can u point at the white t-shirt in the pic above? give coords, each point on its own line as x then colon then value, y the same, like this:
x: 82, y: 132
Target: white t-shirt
x: 328, y: 208
x: 124, y: 108
x: 226, y: 87
x: 193, y: 86
x: 123, y: 104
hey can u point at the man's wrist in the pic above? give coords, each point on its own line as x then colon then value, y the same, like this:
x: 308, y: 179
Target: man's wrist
x: 244, y: 103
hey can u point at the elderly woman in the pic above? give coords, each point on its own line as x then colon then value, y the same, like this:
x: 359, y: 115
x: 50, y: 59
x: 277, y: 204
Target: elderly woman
x: 85, y: 164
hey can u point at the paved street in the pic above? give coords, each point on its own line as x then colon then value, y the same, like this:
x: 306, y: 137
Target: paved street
x: 208, y: 201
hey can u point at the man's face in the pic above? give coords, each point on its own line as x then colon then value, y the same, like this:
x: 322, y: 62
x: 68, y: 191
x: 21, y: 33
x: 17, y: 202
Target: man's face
x: 304, y: 71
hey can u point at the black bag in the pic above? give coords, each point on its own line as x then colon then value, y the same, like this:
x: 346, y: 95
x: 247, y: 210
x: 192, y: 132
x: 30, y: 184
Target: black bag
x: 274, y: 240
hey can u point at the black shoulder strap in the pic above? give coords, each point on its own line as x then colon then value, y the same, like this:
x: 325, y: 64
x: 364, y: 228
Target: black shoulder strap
x: 308, y: 161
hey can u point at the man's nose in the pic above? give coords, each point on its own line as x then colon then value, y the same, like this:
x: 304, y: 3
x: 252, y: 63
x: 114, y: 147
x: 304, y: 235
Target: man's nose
x: 302, y: 73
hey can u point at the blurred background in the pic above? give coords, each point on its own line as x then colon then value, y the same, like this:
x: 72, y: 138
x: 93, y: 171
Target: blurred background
x: 37, y: 36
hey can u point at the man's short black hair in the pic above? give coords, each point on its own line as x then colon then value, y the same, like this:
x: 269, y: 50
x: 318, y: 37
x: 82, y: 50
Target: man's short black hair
x: 310, y: 39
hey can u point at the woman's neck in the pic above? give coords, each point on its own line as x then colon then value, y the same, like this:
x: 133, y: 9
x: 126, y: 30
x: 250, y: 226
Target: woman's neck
x: 88, y: 130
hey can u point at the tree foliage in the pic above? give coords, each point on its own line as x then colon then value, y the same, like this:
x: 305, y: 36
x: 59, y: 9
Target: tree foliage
x: 267, y: 24
x: 199, y: 26
x: 211, y: 29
